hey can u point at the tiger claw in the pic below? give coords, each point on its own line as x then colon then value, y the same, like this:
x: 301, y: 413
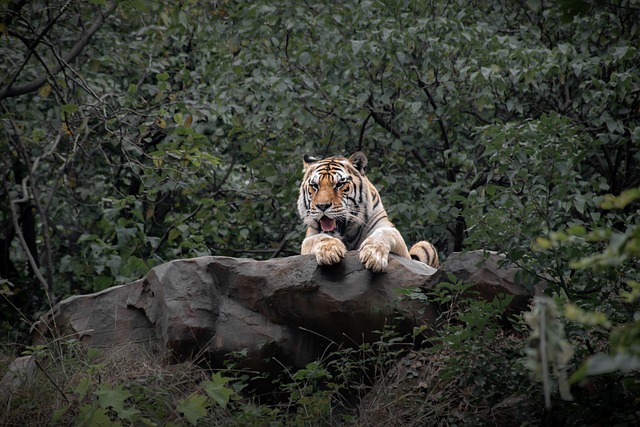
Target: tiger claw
x: 330, y: 252
x: 374, y: 256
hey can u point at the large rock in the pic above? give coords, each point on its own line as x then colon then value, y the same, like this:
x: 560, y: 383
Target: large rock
x: 490, y: 275
x: 289, y: 307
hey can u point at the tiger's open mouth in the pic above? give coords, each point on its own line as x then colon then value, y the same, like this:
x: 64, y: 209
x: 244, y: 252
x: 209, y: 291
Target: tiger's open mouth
x: 331, y: 225
x: 327, y: 224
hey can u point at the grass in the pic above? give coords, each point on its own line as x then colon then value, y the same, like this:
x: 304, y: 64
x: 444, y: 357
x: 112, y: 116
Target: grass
x: 69, y: 376
x: 387, y: 383
x: 473, y: 372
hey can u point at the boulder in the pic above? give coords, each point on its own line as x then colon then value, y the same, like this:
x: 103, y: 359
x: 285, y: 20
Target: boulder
x: 489, y: 275
x: 290, y: 307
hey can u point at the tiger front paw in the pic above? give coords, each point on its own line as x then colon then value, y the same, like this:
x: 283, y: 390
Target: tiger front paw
x: 374, y: 255
x: 330, y: 251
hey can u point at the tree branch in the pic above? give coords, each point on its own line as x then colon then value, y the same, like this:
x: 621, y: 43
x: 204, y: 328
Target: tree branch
x: 379, y: 119
x: 451, y: 176
x: 11, y: 11
x: 32, y: 48
x: 25, y: 247
x: 362, y: 129
x: 460, y: 225
x: 283, y: 242
x: 10, y: 91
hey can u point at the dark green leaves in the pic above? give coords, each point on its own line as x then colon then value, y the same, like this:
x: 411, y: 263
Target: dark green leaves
x: 193, y: 408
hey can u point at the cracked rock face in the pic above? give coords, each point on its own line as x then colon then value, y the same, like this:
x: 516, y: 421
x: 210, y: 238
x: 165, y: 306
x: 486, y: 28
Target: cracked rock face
x: 289, y: 307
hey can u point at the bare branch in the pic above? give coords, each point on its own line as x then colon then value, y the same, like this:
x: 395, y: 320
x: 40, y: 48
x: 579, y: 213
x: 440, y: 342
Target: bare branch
x: 362, y: 129
x: 32, y: 48
x: 10, y: 91
x: 12, y: 10
x: 379, y: 119
x: 25, y: 247
x: 451, y: 176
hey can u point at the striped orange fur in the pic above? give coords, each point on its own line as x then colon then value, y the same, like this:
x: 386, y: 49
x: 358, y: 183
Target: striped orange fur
x: 343, y: 211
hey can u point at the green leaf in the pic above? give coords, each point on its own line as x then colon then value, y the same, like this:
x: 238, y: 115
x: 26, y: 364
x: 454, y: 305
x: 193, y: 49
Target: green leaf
x: 589, y: 318
x: 174, y: 233
x: 101, y: 282
x: 304, y: 58
x: 356, y: 46
x: 128, y: 414
x: 217, y: 390
x: 124, y: 234
x: 193, y: 408
x: 533, y: 5
x: 415, y: 107
x: 601, y: 363
x: 112, y: 397
x: 91, y: 416
x: 45, y: 90
x: 69, y: 108
x: 542, y: 243
x: 58, y: 413
x: 182, y: 18
x: 620, y: 202
x: 82, y: 387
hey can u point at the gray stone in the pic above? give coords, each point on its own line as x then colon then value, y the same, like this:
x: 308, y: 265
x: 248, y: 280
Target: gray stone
x: 490, y: 275
x: 20, y: 371
x: 290, y: 307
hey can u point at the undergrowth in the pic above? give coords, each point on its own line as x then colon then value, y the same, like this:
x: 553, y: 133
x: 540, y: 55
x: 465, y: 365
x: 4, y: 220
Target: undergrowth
x: 462, y: 375
x: 470, y: 371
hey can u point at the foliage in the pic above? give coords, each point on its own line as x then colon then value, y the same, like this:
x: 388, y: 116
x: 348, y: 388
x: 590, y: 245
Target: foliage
x: 134, y: 133
x: 548, y: 347
x: 177, y: 130
x: 472, y: 365
x: 135, y: 386
x: 617, y: 329
x: 475, y: 364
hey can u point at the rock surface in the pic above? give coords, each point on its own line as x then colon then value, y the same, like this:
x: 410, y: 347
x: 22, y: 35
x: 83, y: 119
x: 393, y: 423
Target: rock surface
x: 290, y: 307
x: 490, y: 275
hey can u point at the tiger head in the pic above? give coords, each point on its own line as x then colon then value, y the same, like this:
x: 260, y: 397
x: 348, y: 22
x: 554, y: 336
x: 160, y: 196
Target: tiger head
x: 334, y: 194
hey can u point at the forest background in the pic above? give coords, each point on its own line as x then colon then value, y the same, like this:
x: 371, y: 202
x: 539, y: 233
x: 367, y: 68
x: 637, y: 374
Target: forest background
x: 138, y: 132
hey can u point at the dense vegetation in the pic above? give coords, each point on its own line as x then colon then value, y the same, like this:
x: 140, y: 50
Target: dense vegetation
x: 137, y: 132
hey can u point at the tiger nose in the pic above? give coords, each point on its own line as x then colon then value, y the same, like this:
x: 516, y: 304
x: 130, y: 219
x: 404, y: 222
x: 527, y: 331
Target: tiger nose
x: 323, y: 206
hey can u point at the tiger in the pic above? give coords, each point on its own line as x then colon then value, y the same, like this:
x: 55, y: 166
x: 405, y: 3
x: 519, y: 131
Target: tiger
x: 343, y: 211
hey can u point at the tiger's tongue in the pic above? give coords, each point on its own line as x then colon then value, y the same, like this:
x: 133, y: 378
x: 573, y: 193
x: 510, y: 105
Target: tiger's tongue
x: 327, y: 224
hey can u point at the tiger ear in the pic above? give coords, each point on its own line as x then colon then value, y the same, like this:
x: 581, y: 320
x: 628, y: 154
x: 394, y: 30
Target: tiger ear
x: 359, y: 160
x: 308, y: 160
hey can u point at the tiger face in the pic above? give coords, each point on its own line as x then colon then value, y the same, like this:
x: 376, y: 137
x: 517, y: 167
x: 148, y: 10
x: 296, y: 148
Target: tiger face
x: 329, y: 201
x: 343, y: 211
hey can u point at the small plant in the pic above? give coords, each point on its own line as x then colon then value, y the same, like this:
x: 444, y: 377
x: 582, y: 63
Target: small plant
x: 216, y: 393
x: 602, y: 330
x: 548, y: 347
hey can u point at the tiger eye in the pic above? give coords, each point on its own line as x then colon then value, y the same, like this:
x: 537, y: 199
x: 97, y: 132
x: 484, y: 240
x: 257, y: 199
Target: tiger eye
x: 341, y: 185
